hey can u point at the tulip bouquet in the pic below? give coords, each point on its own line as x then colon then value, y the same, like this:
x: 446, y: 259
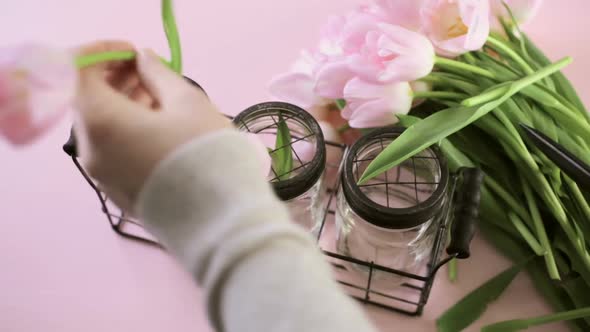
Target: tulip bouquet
x: 461, y: 74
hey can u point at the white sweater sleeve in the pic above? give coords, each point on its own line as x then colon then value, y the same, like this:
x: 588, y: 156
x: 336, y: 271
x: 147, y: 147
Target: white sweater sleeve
x: 210, y: 205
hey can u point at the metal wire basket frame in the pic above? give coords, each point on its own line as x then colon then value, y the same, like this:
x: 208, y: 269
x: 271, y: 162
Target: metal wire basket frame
x: 414, y: 292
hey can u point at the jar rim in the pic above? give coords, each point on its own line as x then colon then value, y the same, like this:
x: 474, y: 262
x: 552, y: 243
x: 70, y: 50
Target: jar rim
x: 302, y: 182
x: 387, y: 217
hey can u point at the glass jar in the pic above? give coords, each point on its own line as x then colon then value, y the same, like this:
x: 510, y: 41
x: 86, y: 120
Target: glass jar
x: 302, y: 186
x: 391, y: 220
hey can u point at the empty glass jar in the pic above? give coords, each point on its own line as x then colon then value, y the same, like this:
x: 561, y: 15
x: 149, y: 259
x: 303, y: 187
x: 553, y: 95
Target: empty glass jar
x: 391, y: 220
x: 301, y: 187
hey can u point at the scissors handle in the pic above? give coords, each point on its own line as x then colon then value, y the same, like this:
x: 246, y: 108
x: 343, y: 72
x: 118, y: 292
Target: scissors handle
x: 571, y: 165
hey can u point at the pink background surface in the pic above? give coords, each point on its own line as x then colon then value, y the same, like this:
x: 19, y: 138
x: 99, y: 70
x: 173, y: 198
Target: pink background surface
x: 63, y: 269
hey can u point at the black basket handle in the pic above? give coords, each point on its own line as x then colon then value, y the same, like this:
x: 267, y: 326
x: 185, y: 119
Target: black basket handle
x: 466, y: 212
x: 70, y: 147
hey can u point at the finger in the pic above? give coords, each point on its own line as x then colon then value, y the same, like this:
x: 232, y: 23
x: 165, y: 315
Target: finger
x: 125, y: 81
x: 98, y: 102
x: 164, y: 84
x: 141, y: 96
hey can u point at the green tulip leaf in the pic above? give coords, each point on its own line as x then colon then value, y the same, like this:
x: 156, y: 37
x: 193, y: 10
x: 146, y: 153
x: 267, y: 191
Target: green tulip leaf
x: 523, y: 324
x: 282, y: 156
x: 468, y: 310
x: 447, y: 122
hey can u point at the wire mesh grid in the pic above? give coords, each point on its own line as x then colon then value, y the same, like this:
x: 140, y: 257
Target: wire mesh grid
x: 272, y: 130
x: 406, y: 185
x: 410, y: 298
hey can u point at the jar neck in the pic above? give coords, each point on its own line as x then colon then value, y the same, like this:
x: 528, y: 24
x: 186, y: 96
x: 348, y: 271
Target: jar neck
x: 385, y: 216
x: 310, y: 171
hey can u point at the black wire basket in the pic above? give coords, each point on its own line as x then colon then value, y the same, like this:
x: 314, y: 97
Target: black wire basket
x: 409, y: 298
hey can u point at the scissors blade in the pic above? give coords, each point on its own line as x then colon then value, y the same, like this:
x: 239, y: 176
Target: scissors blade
x: 571, y: 165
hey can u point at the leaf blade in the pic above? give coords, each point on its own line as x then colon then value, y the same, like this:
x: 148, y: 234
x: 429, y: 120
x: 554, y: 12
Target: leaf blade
x: 468, y: 309
x: 446, y: 122
x: 521, y: 324
x: 283, y: 158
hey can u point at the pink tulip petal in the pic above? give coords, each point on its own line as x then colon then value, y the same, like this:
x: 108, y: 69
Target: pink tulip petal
x: 330, y: 42
x: 294, y: 88
x: 349, y: 109
x: 476, y: 17
x: 404, y: 13
x: 523, y: 10
x: 419, y: 86
x: 37, y: 84
x: 371, y: 104
x: 456, y: 26
x: 372, y: 114
x: 399, y: 97
x: 356, y: 29
x: 359, y: 89
x: 406, y: 69
x: 331, y: 79
x: 363, y: 67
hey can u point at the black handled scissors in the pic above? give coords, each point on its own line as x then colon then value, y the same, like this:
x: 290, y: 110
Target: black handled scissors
x: 571, y: 165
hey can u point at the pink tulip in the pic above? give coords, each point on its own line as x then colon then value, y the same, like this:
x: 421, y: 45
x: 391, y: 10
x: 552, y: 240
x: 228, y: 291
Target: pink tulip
x: 392, y: 53
x: 419, y: 86
x: 373, y: 50
x: 330, y: 44
x: 372, y: 105
x: 523, y: 10
x: 405, y: 13
x: 297, y: 85
x: 456, y: 26
x: 37, y: 86
x: 332, y: 77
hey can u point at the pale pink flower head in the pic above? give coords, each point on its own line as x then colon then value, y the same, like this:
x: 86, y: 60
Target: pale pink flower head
x: 371, y: 105
x: 37, y: 86
x: 297, y: 85
x: 391, y: 53
x: 405, y: 13
x: 456, y: 26
x: 523, y: 10
x: 362, y: 45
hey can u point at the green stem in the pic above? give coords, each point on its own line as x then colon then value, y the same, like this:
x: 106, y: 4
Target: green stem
x: 461, y: 66
x: 507, y: 198
x: 503, y: 48
x: 526, y: 234
x: 541, y: 232
x: 538, y: 179
x: 499, y: 113
x: 579, y: 197
x: 343, y: 128
x: 439, y: 94
x: 93, y: 59
x: 452, y: 270
x: 503, y: 89
x: 447, y: 80
x: 340, y: 103
x: 490, y: 95
x: 172, y: 35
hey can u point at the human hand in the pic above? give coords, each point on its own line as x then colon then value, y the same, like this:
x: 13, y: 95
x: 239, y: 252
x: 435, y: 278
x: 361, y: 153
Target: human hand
x: 133, y: 114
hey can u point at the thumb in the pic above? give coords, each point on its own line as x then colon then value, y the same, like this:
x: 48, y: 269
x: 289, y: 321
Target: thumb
x: 163, y: 83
